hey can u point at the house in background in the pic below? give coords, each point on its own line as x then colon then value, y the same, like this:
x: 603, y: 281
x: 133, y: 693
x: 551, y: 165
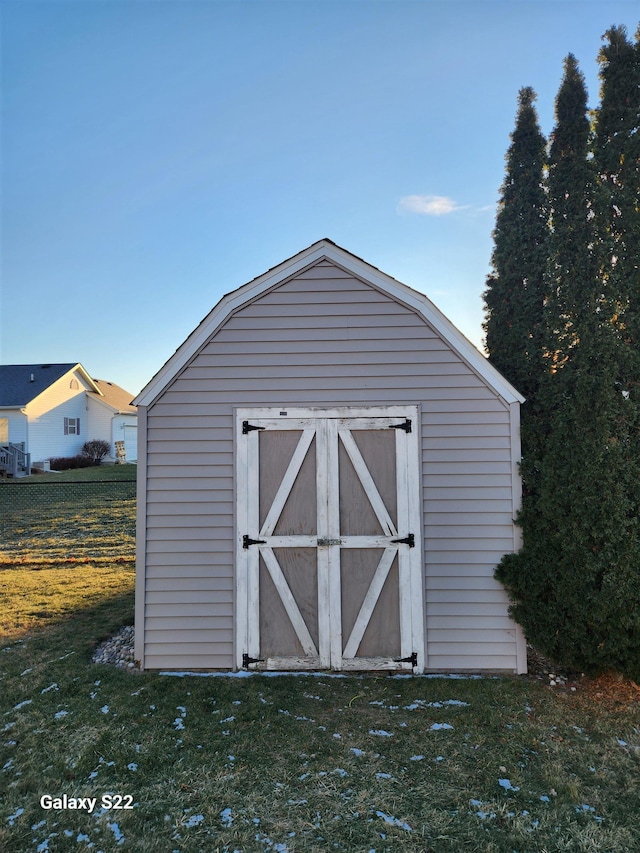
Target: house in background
x: 51, y: 410
x: 328, y: 476
x: 112, y: 417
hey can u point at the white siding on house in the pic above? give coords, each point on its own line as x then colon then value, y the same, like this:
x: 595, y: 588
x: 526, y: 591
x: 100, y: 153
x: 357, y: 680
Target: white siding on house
x: 125, y: 428
x: 325, y: 338
x: 100, y: 417
x: 107, y: 425
x: 65, y: 398
x: 17, y: 425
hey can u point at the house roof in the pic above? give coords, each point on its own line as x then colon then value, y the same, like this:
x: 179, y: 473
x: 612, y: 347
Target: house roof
x: 22, y: 383
x: 327, y: 250
x: 116, y: 397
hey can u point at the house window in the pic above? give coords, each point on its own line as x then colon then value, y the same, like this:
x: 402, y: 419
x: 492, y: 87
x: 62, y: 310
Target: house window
x: 74, y: 385
x: 72, y: 426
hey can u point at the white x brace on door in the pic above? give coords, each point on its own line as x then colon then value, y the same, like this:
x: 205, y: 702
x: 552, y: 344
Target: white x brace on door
x: 329, y: 563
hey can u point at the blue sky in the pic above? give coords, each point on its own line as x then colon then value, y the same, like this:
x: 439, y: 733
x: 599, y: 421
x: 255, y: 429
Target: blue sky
x: 158, y: 153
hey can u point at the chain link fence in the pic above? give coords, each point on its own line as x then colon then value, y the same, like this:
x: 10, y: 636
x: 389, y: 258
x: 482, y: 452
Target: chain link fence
x: 49, y: 521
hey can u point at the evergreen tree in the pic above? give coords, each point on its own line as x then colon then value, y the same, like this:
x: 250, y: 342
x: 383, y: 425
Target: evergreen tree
x: 514, y: 294
x: 617, y: 157
x: 575, y: 585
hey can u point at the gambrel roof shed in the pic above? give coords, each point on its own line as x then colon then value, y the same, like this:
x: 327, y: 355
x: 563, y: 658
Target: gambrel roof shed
x: 327, y: 479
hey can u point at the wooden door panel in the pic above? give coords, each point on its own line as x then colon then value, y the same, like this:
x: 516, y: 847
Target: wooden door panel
x: 378, y: 450
x: 278, y: 617
x: 370, y: 602
x: 357, y: 516
x: 287, y: 483
x: 382, y: 635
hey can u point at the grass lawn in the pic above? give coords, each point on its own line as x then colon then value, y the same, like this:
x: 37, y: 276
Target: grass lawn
x: 86, y: 514
x: 81, y: 475
x: 290, y: 763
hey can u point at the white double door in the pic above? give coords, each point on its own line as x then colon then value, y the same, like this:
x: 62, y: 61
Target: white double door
x: 329, y: 568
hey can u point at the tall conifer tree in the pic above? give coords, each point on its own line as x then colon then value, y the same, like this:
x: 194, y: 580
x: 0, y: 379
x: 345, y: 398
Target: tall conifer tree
x: 574, y: 585
x: 617, y: 157
x: 514, y: 295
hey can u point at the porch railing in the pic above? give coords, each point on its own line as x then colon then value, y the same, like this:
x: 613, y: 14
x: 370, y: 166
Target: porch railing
x: 14, y: 462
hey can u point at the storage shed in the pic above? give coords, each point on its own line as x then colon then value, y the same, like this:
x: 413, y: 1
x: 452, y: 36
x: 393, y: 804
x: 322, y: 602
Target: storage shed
x: 328, y: 476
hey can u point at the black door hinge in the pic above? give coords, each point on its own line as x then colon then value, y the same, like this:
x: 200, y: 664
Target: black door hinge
x: 247, y: 427
x: 409, y: 540
x: 247, y: 540
x: 247, y: 661
x: 412, y: 659
x: 406, y: 426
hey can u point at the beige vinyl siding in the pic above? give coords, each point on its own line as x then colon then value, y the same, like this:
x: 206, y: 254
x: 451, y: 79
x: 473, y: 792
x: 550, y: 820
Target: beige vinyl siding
x: 324, y: 338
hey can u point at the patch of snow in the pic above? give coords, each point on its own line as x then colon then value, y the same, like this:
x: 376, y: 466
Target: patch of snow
x: 53, y: 686
x: 585, y: 809
x: 133, y: 766
x: 422, y: 703
x: 59, y: 714
x: 380, y: 733
x: 246, y: 674
x: 105, y: 709
x: 436, y: 727
x: 195, y: 820
x: 22, y: 704
x: 506, y: 784
x: 14, y: 817
x: 394, y: 821
x: 417, y: 758
x: 356, y: 751
x: 116, y: 831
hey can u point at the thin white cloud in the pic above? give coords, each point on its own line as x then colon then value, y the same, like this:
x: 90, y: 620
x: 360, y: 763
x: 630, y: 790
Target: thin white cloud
x: 428, y: 205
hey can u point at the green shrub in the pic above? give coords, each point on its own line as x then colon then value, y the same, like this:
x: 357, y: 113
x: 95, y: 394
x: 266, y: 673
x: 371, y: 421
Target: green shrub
x: 66, y: 463
x: 96, y: 450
